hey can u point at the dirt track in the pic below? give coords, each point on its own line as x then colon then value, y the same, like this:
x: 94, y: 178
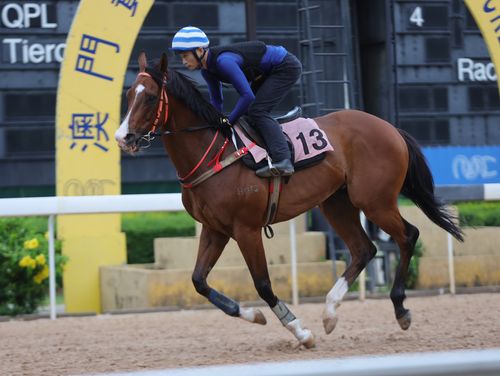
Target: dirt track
x: 107, y: 343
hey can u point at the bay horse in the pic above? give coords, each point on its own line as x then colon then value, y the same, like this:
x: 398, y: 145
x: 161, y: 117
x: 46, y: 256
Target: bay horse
x: 371, y: 164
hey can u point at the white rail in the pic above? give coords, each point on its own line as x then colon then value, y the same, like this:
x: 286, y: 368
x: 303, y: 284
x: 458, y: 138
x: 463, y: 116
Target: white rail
x: 51, y: 206
x: 33, y: 206
x: 451, y: 363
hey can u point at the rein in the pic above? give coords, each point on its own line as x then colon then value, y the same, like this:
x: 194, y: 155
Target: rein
x: 205, y: 156
x: 163, y: 109
x: 215, y: 163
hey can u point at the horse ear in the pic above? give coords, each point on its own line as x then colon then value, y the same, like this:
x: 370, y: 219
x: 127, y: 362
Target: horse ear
x: 143, y: 62
x: 163, y: 62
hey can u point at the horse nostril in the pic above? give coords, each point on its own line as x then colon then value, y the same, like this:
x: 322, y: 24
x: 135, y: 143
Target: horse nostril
x: 129, y: 138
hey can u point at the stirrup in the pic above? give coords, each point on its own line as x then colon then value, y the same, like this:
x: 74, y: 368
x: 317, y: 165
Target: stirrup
x: 268, y: 172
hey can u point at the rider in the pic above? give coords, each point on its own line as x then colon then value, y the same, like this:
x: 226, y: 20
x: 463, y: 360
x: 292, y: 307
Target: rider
x: 261, y: 74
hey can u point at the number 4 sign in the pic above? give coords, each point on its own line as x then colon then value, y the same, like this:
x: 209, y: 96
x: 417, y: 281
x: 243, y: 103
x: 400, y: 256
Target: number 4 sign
x: 416, y: 17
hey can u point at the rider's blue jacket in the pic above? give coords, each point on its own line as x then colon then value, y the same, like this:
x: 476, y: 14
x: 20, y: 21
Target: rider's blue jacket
x: 232, y: 67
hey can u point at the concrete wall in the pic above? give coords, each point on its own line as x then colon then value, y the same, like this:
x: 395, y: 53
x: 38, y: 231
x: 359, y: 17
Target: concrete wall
x: 167, y: 282
x: 143, y: 286
x: 476, y: 261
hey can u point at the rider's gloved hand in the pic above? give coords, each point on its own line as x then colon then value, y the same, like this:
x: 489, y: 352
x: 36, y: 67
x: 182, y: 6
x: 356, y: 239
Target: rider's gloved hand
x: 225, y: 127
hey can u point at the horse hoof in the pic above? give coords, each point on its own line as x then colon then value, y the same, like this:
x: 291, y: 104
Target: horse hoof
x: 259, y: 317
x: 405, y: 320
x: 329, y: 324
x: 308, y: 340
x: 329, y: 320
x: 253, y: 315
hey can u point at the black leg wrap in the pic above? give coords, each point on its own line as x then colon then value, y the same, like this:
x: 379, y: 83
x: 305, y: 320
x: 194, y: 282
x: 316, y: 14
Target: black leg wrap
x: 283, y: 313
x: 226, y: 304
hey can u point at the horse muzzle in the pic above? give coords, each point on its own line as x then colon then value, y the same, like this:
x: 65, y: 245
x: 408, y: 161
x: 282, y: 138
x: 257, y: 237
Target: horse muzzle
x: 133, y: 142
x: 130, y: 143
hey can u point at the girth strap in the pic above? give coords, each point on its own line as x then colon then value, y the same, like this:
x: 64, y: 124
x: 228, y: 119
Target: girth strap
x: 275, y: 185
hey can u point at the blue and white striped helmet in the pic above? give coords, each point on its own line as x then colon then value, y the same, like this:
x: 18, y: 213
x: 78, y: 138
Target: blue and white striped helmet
x: 188, y: 38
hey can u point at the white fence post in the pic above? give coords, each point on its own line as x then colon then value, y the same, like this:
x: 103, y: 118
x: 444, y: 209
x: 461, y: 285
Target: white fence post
x: 52, y: 269
x: 451, y: 266
x: 362, y: 275
x: 293, y: 250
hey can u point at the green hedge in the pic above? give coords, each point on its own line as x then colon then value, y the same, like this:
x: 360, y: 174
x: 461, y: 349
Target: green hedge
x: 143, y: 228
x: 479, y: 213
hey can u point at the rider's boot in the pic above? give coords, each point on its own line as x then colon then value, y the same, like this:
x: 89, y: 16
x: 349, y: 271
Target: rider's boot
x: 277, y: 147
x: 281, y: 168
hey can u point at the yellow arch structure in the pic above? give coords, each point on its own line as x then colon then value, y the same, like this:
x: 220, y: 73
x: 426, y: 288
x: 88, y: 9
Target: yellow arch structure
x: 487, y: 16
x: 97, y: 53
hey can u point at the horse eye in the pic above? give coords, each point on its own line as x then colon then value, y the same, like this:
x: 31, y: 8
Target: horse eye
x: 151, y: 98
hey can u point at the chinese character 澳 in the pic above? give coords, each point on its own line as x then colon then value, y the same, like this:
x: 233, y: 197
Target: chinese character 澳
x: 129, y: 4
x: 88, y: 128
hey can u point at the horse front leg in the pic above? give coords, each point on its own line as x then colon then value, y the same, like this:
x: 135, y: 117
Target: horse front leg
x: 212, y: 244
x: 252, y: 248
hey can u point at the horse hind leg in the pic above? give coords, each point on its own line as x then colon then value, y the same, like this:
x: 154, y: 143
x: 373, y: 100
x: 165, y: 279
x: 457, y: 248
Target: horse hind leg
x: 405, y: 235
x: 252, y: 249
x: 212, y: 244
x: 344, y: 218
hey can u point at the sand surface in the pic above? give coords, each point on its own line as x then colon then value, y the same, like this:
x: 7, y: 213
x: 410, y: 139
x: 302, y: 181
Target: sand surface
x: 111, y: 343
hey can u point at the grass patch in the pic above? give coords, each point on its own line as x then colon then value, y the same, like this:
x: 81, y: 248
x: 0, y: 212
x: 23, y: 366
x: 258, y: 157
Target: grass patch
x: 472, y: 214
x: 143, y: 228
x: 479, y: 213
x: 59, y: 300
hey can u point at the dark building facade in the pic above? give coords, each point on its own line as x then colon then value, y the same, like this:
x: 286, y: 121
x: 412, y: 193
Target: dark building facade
x: 422, y: 65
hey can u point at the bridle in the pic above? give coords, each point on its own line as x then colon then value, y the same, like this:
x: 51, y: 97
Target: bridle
x: 161, y: 109
x: 215, y: 164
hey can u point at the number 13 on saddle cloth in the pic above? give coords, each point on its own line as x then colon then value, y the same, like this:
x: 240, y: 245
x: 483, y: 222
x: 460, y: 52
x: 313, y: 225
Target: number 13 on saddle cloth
x: 307, y: 141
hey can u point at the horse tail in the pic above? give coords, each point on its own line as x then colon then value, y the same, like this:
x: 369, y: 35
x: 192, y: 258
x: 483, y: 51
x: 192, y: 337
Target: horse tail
x: 419, y: 187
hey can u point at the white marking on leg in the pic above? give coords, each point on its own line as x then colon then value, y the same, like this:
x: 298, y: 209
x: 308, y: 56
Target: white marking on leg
x: 247, y: 314
x: 290, y: 322
x: 333, y: 300
x: 252, y: 315
x: 304, y: 336
x: 122, y: 131
x: 336, y: 294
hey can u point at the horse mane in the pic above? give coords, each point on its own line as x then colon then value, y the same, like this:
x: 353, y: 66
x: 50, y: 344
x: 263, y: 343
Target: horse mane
x: 185, y: 89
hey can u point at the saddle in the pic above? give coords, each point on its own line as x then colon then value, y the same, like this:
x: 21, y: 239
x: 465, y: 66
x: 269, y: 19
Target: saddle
x: 254, y: 135
x: 306, y: 141
x: 307, y: 144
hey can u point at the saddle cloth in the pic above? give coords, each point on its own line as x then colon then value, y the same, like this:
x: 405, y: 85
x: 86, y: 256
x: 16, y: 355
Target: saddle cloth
x: 307, y: 142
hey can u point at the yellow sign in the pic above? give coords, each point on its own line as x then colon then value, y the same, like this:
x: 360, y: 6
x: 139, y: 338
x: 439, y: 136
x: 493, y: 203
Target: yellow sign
x: 487, y: 16
x: 87, y: 159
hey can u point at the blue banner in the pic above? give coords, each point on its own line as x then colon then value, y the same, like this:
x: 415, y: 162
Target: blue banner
x: 464, y: 165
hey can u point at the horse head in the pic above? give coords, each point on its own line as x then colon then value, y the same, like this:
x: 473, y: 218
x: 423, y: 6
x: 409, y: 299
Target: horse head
x: 147, y: 107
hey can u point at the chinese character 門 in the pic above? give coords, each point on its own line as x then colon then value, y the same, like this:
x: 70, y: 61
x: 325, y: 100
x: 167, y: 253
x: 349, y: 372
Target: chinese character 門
x: 85, y: 62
